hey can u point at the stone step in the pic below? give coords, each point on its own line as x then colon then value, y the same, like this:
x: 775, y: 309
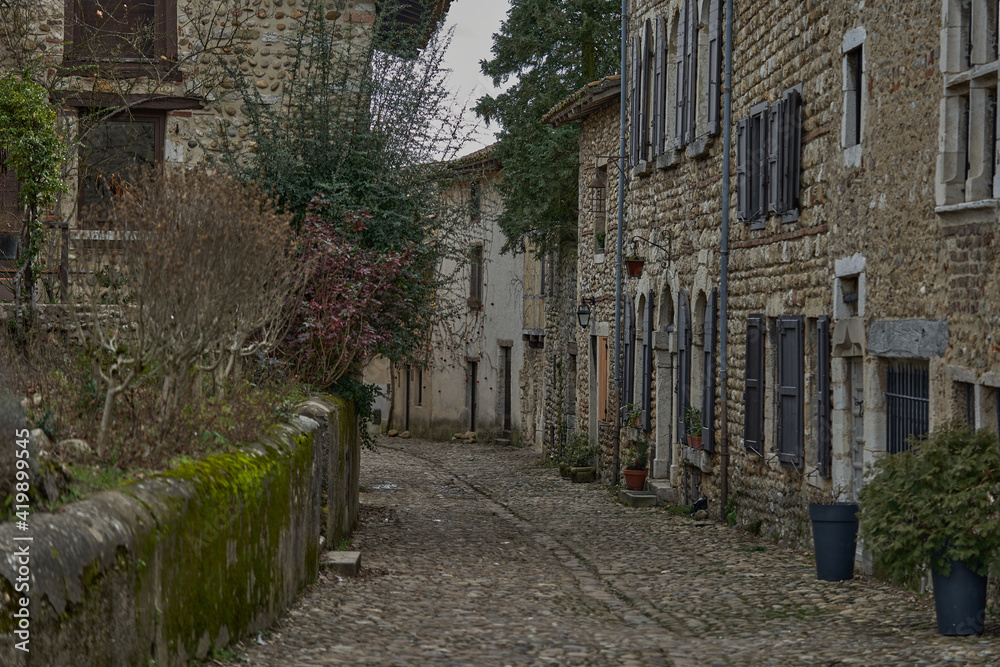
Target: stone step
x: 665, y: 494
x: 637, y: 498
x: 342, y: 563
x: 503, y: 442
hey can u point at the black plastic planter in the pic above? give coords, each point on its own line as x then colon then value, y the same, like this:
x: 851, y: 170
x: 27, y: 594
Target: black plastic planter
x: 835, y: 532
x: 960, y: 600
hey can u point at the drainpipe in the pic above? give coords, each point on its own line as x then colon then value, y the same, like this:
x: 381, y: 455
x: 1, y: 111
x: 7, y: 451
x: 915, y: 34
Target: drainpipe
x: 727, y: 113
x: 618, y: 268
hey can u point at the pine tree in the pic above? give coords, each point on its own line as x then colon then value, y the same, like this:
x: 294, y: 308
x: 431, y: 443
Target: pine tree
x: 552, y: 47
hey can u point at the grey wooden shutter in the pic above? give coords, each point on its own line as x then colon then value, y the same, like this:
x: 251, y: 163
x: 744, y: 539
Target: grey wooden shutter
x: 792, y: 158
x: 791, y: 379
x: 691, y: 70
x: 708, y: 377
x: 683, y: 363
x: 633, y: 135
x: 647, y: 362
x: 681, y: 92
x: 753, y: 393
x: 659, y: 86
x: 775, y: 152
x: 714, y: 66
x: 757, y: 166
x: 629, y: 351
x: 645, y: 78
x: 742, y: 184
x: 824, y: 424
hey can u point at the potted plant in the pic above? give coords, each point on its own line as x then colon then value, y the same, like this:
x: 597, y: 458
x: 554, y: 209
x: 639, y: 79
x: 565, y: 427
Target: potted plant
x: 835, y: 532
x: 636, y: 464
x: 579, y: 454
x: 692, y: 421
x: 937, y: 505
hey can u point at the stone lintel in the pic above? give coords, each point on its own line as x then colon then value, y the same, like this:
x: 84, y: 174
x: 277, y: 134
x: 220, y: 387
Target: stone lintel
x: 908, y: 339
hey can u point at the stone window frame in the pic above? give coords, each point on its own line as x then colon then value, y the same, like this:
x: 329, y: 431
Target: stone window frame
x: 967, y: 176
x: 855, y: 110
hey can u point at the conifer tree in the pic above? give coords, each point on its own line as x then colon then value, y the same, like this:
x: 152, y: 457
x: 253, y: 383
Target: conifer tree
x: 552, y: 48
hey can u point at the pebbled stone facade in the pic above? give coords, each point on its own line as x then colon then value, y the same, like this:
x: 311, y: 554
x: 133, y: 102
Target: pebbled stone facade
x: 903, y: 280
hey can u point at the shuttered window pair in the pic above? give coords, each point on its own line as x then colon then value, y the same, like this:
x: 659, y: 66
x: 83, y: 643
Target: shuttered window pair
x: 116, y: 30
x: 768, y: 160
x: 790, y: 388
x: 649, y: 60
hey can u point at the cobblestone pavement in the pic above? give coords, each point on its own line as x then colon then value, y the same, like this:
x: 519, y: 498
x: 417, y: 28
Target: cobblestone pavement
x: 475, y: 555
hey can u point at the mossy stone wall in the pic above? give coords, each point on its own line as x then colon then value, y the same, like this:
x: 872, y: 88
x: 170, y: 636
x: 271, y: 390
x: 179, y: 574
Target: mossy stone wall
x: 166, y: 569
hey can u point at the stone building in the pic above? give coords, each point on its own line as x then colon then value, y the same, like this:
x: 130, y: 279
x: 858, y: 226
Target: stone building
x: 470, y: 381
x: 150, y: 83
x: 862, y: 294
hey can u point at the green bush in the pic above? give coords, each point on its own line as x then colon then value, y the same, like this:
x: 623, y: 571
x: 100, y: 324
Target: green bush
x: 933, y: 504
x: 578, y: 451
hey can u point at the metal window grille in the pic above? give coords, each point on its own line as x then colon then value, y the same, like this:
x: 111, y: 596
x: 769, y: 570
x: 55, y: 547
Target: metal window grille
x: 907, y: 404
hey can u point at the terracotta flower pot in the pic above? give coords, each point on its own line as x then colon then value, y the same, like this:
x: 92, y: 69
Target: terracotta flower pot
x: 635, y: 479
x: 694, y: 441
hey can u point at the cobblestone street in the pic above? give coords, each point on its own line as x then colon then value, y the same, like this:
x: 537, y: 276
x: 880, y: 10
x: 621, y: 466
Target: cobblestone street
x: 475, y: 555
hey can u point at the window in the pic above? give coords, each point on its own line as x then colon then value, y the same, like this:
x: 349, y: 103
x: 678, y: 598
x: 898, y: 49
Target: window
x: 853, y: 95
x: 967, y: 162
x: 10, y: 210
x: 753, y: 393
x: 628, y: 386
x: 907, y: 401
x: 476, y: 276
x: 964, y: 404
x: 475, y: 199
x: 113, y: 151
x: 122, y: 30
x: 600, y: 216
x: 791, y: 389
x: 768, y: 157
x: 684, y: 340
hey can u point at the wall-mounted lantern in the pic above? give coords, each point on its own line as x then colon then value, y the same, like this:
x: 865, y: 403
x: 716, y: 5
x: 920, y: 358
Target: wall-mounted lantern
x: 583, y: 312
x: 597, y: 187
x: 635, y: 262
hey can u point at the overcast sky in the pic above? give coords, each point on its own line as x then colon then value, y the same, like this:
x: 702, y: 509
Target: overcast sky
x: 474, y: 21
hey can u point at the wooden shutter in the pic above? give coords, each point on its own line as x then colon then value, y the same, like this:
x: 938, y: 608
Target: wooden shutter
x: 791, y: 380
x: 628, y: 392
x: 708, y: 375
x: 659, y: 86
x: 683, y: 362
x: 634, y: 111
x: 681, y: 92
x: 691, y: 70
x: 602, y: 379
x: 824, y: 423
x: 647, y: 362
x: 792, y: 157
x: 714, y: 66
x: 753, y: 393
x: 757, y: 165
x: 645, y: 78
x: 742, y: 182
x: 775, y: 152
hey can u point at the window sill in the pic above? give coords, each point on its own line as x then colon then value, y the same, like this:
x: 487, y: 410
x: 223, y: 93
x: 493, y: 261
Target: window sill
x: 671, y: 158
x: 643, y: 168
x: 699, y: 147
x: 966, y: 213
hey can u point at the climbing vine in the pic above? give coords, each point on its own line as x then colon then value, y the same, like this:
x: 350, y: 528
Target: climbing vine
x: 31, y: 147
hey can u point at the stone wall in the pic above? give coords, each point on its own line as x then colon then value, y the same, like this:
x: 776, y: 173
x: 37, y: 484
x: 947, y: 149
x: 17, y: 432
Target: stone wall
x: 867, y: 225
x: 166, y: 569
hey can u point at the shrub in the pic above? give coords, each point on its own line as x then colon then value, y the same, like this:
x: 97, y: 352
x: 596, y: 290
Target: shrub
x: 934, y: 503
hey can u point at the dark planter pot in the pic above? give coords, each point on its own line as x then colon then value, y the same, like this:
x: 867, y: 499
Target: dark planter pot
x: 960, y: 600
x: 835, y: 532
x: 635, y: 479
x: 564, y: 469
x: 583, y: 474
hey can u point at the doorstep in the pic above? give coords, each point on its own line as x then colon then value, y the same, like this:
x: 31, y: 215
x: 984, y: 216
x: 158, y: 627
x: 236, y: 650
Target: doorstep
x: 637, y: 498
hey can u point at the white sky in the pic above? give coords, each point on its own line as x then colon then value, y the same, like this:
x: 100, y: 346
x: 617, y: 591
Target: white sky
x: 474, y: 21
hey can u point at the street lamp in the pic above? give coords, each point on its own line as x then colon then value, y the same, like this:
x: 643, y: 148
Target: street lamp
x: 583, y: 312
x: 635, y: 262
